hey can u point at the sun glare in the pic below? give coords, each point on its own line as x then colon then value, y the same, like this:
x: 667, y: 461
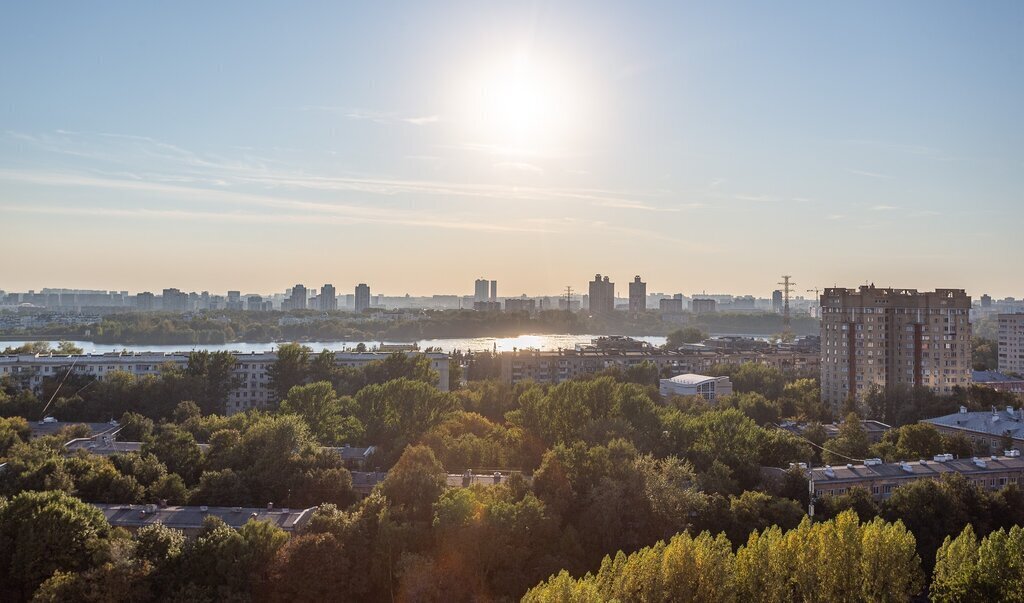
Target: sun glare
x: 521, y: 104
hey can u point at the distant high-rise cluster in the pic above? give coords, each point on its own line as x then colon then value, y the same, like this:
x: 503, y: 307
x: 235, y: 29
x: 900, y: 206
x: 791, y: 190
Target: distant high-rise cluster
x: 885, y: 337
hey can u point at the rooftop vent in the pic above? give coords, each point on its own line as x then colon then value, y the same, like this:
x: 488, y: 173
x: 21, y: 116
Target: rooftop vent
x: 1012, y: 453
x: 922, y: 462
x: 963, y: 410
x: 872, y: 462
x: 979, y: 462
x: 829, y: 472
x: 204, y: 508
x: 943, y: 458
x: 906, y: 467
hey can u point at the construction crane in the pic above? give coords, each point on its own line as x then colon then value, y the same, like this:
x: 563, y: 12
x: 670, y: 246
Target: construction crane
x: 817, y: 299
x: 787, y: 288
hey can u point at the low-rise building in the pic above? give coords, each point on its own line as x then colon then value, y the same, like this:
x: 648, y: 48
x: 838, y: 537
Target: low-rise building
x: 557, y: 366
x: 251, y: 370
x: 875, y: 430
x: 991, y: 429
x: 190, y: 519
x: 998, y: 381
x: 881, y: 479
x: 710, y: 388
x: 355, y: 457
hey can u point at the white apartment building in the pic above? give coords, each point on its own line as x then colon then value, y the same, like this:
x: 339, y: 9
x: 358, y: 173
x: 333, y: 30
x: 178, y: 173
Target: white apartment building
x: 1011, y: 343
x: 710, y: 388
x: 251, y: 369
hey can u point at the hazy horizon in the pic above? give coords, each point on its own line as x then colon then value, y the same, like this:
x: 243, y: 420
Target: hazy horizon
x: 250, y: 147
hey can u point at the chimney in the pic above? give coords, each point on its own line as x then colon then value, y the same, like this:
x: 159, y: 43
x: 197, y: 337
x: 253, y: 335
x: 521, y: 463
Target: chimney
x: 270, y: 506
x: 963, y: 410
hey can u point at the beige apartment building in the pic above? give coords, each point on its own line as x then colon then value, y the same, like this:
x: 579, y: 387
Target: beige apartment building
x: 1011, y: 343
x: 885, y: 337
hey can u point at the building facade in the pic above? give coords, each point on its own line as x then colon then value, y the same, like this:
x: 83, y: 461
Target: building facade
x: 882, y: 479
x: 252, y: 370
x: 518, y: 304
x: 709, y: 388
x: 602, y: 296
x: 557, y: 366
x: 480, y: 290
x: 637, y: 296
x: 328, y: 298
x: 1011, y: 343
x: 362, y: 297
x: 297, y: 300
x: 887, y: 337
x: 703, y: 306
x: 989, y: 431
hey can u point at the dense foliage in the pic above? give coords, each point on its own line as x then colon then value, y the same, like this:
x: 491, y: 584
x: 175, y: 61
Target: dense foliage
x: 645, y: 498
x: 218, y: 326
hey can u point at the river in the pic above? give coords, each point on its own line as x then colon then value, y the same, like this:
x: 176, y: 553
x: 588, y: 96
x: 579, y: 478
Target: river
x: 502, y: 344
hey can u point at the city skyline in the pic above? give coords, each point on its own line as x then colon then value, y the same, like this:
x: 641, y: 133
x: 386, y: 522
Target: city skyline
x: 579, y: 289
x: 697, y: 144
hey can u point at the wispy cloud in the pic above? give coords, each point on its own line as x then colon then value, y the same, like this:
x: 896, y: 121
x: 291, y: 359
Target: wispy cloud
x: 918, y: 150
x: 869, y: 174
x: 380, y: 117
x: 518, y: 166
x: 836, y: 217
x: 883, y: 207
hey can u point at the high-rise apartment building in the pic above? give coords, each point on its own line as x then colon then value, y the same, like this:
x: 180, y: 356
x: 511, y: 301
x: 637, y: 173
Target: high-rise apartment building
x: 174, y: 300
x: 702, y: 306
x: 144, y: 301
x: 1011, y: 343
x: 602, y: 296
x: 480, y: 293
x: 887, y: 337
x: 494, y: 292
x: 362, y: 300
x: 637, y: 296
x: 297, y: 300
x: 777, y: 301
x: 234, y: 300
x: 328, y: 298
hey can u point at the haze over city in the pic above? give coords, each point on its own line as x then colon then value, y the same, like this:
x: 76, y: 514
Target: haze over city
x: 419, y: 146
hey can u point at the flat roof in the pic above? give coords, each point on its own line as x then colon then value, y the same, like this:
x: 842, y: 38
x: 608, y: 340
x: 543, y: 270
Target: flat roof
x: 997, y: 423
x: 191, y: 517
x: 46, y: 429
x: 691, y: 379
x: 915, y: 469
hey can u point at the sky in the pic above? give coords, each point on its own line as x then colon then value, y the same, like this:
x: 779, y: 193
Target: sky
x: 708, y: 147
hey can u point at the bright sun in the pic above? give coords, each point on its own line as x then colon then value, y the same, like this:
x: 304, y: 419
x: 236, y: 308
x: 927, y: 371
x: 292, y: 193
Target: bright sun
x: 520, y: 104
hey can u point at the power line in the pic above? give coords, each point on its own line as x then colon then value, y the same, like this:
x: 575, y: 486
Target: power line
x: 822, y: 448
x: 65, y: 378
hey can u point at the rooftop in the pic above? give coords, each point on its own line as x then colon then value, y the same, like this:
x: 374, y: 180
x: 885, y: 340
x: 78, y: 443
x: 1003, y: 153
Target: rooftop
x: 995, y: 422
x: 992, y: 377
x: 41, y: 429
x: 191, y: 518
x: 916, y: 469
x: 691, y: 379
